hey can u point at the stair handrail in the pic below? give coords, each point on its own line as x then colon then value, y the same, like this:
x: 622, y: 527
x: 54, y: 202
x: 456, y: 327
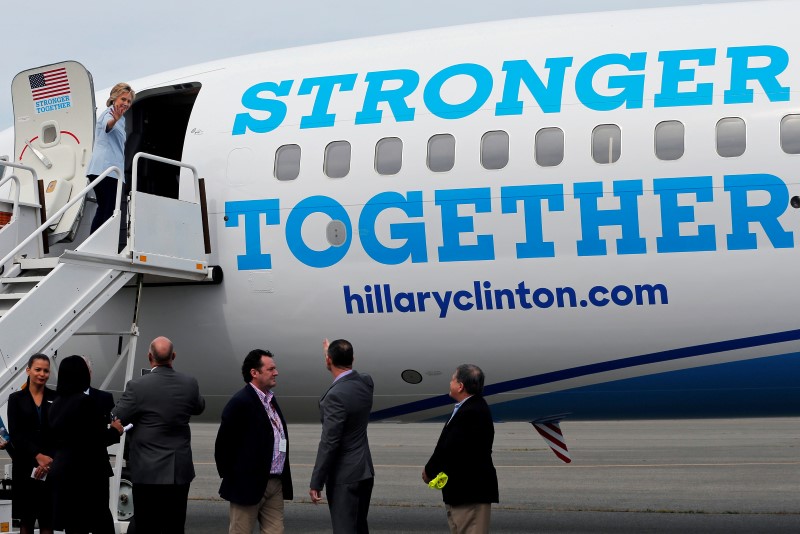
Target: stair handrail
x: 53, y: 218
x: 15, y: 203
x: 168, y: 161
x: 14, y: 177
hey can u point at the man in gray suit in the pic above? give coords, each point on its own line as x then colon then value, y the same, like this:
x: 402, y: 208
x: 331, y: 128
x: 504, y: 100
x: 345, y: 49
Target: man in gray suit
x: 159, y: 405
x: 344, y: 463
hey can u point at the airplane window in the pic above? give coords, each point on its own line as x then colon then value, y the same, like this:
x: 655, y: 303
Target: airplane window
x: 337, y: 159
x: 549, y: 147
x: 388, y: 155
x: 731, y: 138
x: 669, y: 140
x: 49, y: 134
x: 494, y: 150
x: 790, y: 134
x: 441, y: 152
x: 287, y: 162
x: 606, y: 140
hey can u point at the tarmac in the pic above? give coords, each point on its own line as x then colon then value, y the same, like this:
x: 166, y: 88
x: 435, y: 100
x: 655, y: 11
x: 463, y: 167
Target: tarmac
x: 625, y: 477
x: 710, y: 476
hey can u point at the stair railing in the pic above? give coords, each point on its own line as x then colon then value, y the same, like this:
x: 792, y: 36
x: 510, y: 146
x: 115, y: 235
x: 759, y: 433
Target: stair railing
x: 135, y: 179
x: 15, y: 210
x: 15, y: 179
x: 53, y: 218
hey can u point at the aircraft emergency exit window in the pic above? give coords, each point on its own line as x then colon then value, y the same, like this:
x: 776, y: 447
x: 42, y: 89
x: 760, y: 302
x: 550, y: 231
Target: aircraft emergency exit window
x: 49, y: 134
x: 441, y: 152
x: 494, y: 150
x: 549, y: 147
x: 669, y: 140
x: 606, y: 140
x: 731, y: 139
x: 287, y: 162
x: 790, y: 134
x: 388, y: 155
x: 337, y: 159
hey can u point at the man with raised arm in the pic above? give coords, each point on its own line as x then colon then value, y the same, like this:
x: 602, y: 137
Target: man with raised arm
x: 344, y: 463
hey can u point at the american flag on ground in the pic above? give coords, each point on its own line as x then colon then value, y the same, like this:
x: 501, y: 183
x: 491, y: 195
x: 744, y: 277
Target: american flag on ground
x: 49, y: 84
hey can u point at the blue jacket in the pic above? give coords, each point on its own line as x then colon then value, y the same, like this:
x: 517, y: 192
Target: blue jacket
x: 464, y: 454
x: 243, y: 449
x: 109, y: 148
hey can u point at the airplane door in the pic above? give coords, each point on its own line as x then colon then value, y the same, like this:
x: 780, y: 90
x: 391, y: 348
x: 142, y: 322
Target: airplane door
x: 54, y: 119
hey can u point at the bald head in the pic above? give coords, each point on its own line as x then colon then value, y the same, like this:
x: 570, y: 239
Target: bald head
x: 161, y: 351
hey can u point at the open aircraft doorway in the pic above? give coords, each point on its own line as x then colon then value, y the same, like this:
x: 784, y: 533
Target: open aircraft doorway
x: 157, y: 125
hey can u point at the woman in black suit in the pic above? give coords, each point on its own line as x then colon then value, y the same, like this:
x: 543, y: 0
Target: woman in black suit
x: 32, y: 497
x: 80, y: 466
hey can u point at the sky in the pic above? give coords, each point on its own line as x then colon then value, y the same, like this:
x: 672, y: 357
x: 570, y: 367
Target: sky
x: 122, y: 41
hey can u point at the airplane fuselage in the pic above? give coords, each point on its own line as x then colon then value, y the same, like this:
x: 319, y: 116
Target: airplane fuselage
x: 595, y: 209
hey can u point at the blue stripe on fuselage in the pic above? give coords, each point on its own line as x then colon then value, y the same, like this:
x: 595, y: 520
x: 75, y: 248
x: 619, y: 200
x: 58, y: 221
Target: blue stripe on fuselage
x: 760, y: 387
x: 586, y: 370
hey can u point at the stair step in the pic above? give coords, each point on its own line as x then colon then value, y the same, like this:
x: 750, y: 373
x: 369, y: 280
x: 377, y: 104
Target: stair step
x: 11, y: 296
x: 22, y: 280
x: 38, y: 263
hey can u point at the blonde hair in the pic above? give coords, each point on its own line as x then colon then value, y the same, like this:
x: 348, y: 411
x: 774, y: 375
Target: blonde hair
x: 117, y: 90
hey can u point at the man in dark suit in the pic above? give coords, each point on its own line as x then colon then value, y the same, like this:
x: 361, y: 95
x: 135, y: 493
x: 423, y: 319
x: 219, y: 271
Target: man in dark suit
x: 344, y: 463
x: 252, y: 450
x: 159, y: 405
x: 464, y: 454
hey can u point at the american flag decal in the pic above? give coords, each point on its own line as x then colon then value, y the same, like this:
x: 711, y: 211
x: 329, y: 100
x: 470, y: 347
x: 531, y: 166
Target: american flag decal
x: 49, y: 84
x: 551, y: 432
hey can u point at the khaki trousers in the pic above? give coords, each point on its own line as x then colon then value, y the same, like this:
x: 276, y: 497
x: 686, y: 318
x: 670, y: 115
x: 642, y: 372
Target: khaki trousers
x: 269, y: 512
x: 469, y: 518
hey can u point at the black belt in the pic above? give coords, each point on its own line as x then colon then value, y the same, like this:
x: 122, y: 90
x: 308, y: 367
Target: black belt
x: 275, y: 476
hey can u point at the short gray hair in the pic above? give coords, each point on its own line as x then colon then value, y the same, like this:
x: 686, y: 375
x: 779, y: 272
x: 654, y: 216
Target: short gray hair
x: 471, y: 377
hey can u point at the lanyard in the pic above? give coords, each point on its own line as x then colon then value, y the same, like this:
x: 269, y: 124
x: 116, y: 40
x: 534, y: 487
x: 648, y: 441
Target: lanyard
x: 274, y: 419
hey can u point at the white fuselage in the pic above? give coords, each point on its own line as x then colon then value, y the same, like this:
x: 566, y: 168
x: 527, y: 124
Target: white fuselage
x: 640, y: 287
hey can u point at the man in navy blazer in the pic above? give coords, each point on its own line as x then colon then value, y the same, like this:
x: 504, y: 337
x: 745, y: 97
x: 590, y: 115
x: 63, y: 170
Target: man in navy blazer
x: 252, y: 450
x: 464, y: 454
x: 344, y: 463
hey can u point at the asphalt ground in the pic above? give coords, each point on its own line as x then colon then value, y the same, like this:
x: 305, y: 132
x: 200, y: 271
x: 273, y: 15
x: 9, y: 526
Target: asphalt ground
x: 710, y: 476
x: 629, y: 477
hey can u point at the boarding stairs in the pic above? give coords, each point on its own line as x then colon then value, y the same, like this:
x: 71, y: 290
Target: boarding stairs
x: 45, y: 300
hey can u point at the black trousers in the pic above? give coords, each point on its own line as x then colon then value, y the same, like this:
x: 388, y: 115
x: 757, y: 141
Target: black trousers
x: 349, y: 505
x: 84, y: 510
x: 106, y: 194
x: 160, y: 508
